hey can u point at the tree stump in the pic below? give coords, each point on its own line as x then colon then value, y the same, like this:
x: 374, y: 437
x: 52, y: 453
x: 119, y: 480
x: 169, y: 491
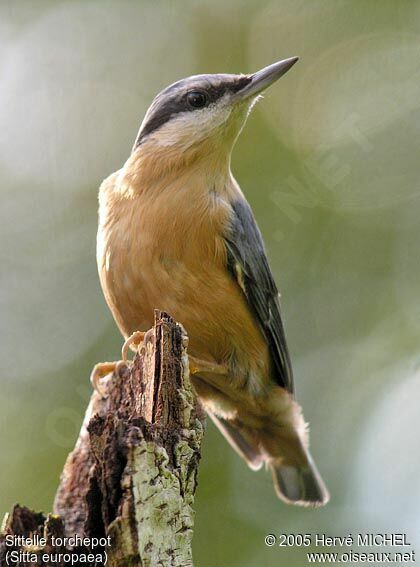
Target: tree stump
x: 127, y: 489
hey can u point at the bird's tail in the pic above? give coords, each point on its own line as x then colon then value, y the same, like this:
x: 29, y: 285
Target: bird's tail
x: 299, y: 484
x: 295, y: 476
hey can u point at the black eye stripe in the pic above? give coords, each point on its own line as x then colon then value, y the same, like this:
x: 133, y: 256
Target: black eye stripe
x: 173, y: 100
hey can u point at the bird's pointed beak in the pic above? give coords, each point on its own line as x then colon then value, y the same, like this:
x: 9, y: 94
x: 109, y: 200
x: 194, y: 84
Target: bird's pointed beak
x: 264, y: 78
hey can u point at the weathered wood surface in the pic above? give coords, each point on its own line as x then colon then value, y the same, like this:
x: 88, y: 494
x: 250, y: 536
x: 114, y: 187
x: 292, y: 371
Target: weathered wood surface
x: 133, y: 472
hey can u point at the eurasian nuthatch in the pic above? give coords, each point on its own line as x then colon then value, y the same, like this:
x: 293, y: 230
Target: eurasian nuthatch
x: 177, y: 234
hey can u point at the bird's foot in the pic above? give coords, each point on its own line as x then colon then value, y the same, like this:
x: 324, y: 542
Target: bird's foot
x: 134, y: 341
x: 101, y: 370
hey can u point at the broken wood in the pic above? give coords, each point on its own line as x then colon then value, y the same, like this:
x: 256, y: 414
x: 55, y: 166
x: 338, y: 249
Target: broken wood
x: 131, y: 478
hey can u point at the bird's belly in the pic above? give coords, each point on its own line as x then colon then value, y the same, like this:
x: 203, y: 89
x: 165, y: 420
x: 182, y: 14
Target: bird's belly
x: 197, y: 291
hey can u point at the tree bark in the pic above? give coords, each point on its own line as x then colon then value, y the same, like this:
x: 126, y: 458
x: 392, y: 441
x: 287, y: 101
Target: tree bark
x: 132, y: 475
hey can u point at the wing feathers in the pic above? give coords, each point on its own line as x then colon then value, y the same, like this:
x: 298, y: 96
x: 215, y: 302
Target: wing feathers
x: 248, y: 264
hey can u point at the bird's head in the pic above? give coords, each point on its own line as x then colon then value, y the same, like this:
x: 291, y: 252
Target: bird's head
x: 203, y: 115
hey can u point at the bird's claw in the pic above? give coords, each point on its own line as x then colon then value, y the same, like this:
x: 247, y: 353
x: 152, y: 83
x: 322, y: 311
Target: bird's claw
x: 101, y: 370
x: 135, y: 339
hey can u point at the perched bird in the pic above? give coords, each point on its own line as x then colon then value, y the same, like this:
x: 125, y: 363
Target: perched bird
x: 177, y: 234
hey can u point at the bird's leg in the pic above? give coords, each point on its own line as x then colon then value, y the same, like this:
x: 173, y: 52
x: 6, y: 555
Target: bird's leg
x: 199, y: 366
x: 135, y: 339
x: 214, y: 375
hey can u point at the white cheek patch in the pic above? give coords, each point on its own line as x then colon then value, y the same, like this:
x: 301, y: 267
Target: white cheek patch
x: 187, y: 128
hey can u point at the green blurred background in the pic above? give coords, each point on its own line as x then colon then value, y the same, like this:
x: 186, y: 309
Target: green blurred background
x: 329, y: 161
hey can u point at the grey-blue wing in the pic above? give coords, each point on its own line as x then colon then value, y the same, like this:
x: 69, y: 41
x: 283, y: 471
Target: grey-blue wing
x: 248, y: 264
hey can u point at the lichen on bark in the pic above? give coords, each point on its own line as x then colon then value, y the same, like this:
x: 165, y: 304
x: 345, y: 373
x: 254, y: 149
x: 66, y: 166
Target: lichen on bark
x: 133, y: 472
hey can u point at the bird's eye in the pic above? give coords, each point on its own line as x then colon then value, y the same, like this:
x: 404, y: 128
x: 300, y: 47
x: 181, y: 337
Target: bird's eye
x: 196, y: 99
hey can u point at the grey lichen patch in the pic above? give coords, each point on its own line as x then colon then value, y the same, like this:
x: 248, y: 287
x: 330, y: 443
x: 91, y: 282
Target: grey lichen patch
x: 164, y: 497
